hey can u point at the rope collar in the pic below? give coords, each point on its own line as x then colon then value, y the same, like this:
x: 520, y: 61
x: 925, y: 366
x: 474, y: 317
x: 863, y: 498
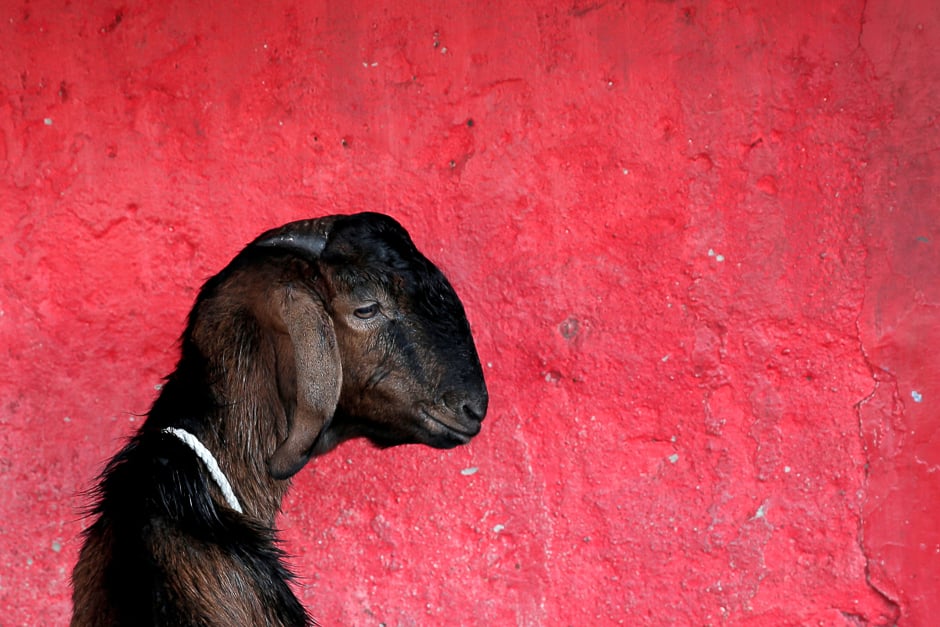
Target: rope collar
x: 212, y: 465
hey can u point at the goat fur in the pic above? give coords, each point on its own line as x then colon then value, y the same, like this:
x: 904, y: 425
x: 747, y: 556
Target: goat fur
x: 317, y: 332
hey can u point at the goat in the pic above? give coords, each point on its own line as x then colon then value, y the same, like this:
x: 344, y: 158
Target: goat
x: 317, y: 332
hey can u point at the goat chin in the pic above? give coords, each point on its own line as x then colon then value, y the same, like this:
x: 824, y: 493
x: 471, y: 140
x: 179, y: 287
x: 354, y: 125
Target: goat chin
x: 317, y: 332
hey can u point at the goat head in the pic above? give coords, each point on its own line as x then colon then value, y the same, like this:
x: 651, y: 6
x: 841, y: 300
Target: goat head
x: 370, y: 338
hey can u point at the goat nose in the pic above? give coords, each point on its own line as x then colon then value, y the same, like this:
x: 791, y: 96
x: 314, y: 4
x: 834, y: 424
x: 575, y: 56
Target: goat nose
x: 475, y: 408
x: 467, y: 405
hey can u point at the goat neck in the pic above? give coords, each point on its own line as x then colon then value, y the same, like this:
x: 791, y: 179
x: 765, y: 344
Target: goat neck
x: 235, y: 416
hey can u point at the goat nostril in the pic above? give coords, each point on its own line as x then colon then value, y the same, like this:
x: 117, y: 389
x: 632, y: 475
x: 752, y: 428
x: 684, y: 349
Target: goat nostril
x: 468, y: 407
x: 474, y: 409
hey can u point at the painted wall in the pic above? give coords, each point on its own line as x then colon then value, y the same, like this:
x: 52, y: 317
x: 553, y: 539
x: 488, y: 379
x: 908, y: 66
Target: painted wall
x: 699, y: 243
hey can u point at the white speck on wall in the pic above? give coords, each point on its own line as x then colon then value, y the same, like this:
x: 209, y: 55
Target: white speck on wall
x: 917, y: 396
x: 498, y: 528
x: 466, y: 472
x: 761, y: 511
x: 673, y: 458
x: 47, y: 121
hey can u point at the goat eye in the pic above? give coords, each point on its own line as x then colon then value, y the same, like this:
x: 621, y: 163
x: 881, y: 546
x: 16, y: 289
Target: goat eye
x: 366, y: 312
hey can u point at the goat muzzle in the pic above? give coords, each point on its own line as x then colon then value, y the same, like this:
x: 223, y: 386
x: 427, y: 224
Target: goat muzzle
x: 447, y: 428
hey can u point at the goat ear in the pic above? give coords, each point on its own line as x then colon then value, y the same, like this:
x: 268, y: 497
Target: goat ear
x: 319, y: 378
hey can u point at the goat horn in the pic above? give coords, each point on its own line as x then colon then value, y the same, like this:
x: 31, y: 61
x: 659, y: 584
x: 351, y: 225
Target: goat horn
x: 307, y: 237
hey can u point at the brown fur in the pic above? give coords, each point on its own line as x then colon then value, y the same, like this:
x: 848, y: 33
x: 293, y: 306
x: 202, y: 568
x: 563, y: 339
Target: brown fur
x: 318, y: 332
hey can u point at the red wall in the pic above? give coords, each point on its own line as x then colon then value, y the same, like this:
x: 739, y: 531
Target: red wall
x: 699, y: 244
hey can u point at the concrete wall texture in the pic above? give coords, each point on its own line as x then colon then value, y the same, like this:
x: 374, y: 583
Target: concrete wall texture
x: 699, y: 243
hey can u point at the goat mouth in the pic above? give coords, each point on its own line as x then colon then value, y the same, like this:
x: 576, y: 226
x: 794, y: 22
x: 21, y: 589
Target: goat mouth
x: 457, y: 429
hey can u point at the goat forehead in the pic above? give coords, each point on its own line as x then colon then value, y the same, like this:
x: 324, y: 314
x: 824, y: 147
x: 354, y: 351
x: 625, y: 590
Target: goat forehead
x: 410, y: 273
x: 374, y: 257
x: 369, y: 251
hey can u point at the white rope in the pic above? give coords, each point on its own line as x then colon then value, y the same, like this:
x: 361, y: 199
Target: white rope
x: 211, y: 465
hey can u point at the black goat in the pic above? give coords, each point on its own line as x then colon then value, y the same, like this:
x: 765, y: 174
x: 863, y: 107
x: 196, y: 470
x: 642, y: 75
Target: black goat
x: 317, y: 332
